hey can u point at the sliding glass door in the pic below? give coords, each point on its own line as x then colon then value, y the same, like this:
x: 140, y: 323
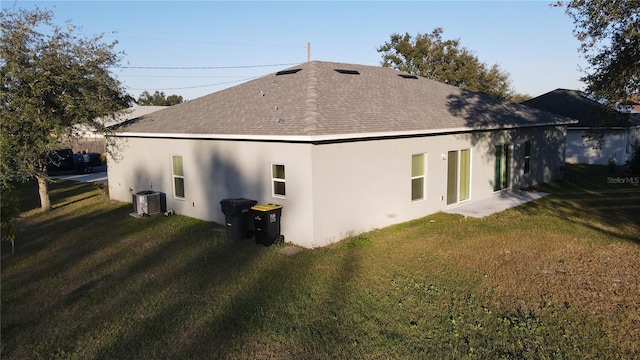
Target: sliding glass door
x: 458, y: 175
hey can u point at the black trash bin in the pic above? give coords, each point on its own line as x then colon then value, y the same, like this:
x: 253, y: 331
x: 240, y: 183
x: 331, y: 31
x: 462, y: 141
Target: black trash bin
x: 266, y: 223
x: 237, y: 218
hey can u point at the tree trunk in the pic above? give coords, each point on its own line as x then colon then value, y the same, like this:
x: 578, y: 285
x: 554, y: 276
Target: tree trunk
x: 43, y: 189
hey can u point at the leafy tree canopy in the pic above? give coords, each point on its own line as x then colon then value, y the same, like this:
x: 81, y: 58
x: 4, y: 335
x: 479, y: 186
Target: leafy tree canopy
x: 609, y: 33
x: 446, y: 61
x: 158, y: 99
x: 50, y: 80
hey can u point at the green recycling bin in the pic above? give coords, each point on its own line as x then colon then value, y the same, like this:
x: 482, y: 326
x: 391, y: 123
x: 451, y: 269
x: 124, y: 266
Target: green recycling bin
x: 266, y: 224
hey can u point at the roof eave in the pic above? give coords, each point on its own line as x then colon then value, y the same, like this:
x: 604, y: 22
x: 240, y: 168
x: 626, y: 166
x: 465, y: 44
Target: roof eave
x: 610, y: 127
x: 333, y: 137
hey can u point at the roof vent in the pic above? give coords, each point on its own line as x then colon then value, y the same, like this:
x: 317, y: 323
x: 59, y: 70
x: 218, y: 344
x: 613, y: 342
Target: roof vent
x: 349, y: 72
x: 287, y: 72
x: 408, y: 76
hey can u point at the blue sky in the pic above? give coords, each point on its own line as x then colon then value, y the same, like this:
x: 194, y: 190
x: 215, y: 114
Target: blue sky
x: 530, y: 40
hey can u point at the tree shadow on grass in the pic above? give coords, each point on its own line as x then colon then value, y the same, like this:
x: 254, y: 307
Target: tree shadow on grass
x: 593, y: 201
x: 188, y: 299
x: 108, y: 285
x: 59, y: 190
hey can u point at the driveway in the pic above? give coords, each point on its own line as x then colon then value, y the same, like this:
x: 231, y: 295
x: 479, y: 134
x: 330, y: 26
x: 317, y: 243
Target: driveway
x: 99, y: 175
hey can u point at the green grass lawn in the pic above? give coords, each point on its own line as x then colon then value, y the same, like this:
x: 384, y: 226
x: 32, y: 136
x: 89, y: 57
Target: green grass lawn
x: 558, y: 278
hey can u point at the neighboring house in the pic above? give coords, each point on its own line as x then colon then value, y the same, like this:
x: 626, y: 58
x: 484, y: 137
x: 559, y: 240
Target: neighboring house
x: 344, y: 148
x: 622, y: 131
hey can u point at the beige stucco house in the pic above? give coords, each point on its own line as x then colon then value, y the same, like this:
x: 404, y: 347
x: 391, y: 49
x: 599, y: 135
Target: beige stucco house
x: 344, y: 148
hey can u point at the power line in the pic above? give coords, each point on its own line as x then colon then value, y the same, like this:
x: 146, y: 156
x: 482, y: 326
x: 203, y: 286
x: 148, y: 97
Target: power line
x: 199, y: 86
x: 199, y: 67
x: 178, y: 76
x: 203, y: 42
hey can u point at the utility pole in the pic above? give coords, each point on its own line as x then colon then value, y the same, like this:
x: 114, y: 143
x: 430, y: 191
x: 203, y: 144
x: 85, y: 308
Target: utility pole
x: 308, y: 52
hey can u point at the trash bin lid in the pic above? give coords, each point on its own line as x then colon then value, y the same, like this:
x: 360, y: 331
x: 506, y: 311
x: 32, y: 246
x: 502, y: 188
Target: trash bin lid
x: 236, y: 206
x: 238, y: 202
x: 266, y: 207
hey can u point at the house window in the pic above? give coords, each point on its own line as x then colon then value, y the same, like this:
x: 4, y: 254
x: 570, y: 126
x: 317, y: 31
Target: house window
x: 417, y: 176
x: 458, y: 176
x: 527, y: 157
x: 502, y: 163
x: 278, y: 180
x: 178, y: 176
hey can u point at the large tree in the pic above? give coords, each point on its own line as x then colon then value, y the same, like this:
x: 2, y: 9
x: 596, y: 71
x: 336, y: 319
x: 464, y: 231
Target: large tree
x: 50, y: 80
x: 159, y: 99
x: 446, y: 61
x: 609, y: 33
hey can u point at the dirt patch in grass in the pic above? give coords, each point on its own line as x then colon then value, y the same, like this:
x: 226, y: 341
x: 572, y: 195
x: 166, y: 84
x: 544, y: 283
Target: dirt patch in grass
x: 290, y: 250
x: 564, y: 274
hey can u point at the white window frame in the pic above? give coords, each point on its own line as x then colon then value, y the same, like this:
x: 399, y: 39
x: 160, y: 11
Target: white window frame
x: 174, y: 177
x: 423, y: 176
x: 275, y: 180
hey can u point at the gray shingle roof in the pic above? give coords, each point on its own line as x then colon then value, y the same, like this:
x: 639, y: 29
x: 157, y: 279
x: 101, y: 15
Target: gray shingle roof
x: 134, y: 112
x: 314, y: 100
x: 575, y: 104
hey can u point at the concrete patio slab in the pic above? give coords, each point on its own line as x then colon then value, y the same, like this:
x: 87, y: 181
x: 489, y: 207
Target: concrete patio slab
x: 500, y: 201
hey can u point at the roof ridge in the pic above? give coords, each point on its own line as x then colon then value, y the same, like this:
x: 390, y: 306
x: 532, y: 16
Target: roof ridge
x: 311, y: 105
